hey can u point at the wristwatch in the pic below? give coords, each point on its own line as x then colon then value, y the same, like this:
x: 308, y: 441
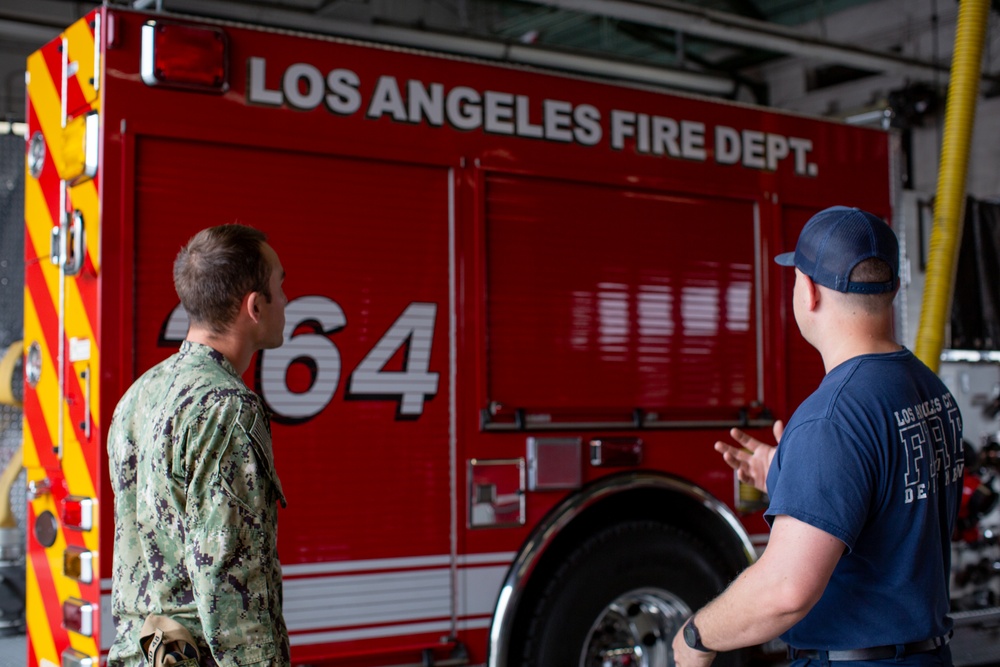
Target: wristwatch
x: 693, y: 638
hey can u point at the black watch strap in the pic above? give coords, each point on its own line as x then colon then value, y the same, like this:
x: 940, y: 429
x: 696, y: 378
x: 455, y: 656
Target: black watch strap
x: 693, y: 638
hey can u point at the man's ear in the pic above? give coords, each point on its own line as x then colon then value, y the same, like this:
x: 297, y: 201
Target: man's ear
x: 812, y: 293
x: 251, y: 305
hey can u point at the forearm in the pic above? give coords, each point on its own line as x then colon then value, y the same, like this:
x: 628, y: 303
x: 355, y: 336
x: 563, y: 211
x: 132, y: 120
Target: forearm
x: 756, y: 608
x: 776, y: 592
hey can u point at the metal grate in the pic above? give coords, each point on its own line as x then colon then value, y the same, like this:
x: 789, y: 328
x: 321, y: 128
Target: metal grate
x: 12, y: 650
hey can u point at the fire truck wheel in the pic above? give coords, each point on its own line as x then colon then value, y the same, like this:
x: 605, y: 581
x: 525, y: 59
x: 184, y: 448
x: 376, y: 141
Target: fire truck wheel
x: 620, y: 597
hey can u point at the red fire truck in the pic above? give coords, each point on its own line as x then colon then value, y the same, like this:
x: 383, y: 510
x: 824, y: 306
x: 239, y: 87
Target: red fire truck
x: 523, y: 306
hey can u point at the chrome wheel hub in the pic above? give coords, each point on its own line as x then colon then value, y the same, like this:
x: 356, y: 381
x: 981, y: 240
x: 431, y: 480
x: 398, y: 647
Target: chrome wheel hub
x: 635, y: 630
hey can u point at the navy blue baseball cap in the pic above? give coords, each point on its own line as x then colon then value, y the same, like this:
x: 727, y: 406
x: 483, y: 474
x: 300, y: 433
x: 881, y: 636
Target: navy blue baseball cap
x: 837, y: 239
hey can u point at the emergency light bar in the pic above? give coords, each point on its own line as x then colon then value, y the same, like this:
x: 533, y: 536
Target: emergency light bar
x: 184, y: 56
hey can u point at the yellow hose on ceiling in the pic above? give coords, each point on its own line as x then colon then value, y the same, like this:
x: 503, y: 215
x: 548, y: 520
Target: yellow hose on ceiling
x: 963, y: 92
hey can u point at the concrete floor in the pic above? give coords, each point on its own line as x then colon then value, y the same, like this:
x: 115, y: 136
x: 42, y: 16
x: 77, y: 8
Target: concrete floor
x: 13, y: 651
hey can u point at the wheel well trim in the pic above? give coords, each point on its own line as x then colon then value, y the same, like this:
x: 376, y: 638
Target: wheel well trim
x: 545, y: 533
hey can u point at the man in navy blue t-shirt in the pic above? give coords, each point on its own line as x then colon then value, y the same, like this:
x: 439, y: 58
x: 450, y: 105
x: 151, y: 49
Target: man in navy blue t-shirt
x: 864, y: 487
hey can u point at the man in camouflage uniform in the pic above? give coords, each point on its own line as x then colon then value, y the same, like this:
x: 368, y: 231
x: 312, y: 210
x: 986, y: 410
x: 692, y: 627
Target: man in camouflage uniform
x: 191, y: 466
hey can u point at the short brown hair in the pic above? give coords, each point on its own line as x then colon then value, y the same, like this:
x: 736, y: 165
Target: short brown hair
x: 216, y: 269
x: 872, y: 270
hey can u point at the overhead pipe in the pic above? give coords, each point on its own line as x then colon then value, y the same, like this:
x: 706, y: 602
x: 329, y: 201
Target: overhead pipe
x: 665, y: 14
x: 730, y: 28
x: 464, y: 45
x: 949, y: 204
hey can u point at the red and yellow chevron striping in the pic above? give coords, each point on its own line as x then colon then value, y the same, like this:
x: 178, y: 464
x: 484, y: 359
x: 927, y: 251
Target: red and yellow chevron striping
x: 62, y: 423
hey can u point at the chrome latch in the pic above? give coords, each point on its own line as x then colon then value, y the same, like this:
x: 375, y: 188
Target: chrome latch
x: 38, y: 488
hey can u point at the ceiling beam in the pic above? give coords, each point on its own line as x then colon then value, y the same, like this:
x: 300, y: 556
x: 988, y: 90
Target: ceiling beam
x: 479, y: 47
x: 654, y: 38
x: 26, y: 33
x: 748, y: 8
x: 732, y: 29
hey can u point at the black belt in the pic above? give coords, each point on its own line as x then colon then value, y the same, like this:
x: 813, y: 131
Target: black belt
x: 873, y: 653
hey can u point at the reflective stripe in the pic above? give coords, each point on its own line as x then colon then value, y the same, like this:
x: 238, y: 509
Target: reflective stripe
x: 76, y: 474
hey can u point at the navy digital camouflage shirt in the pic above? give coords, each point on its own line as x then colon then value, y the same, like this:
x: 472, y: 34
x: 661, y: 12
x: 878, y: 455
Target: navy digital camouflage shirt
x: 196, y: 498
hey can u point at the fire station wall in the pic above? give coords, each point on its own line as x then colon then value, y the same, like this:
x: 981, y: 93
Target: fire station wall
x: 923, y: 30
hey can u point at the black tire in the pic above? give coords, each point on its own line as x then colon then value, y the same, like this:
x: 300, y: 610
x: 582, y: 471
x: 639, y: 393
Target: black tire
x: 630, y: 585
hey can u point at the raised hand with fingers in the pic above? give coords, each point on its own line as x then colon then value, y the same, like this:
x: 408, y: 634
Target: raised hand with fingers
x: 752, y: 459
